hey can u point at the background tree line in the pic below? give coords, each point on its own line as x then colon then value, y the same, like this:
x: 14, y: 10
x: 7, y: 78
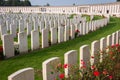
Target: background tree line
x: 15, y: 3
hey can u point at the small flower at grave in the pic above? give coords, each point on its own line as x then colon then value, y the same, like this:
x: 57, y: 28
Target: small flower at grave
x: 96, y: 73
x: 61, y: 76
x: 1, y: 49
x: 77, y: 33
x: 101, y: 51
x: 82, y: 62
x: 117, y: 45
x: 113, y: 46
x: 59, y: 65
x: 118, y: 50
x: 110, y: 52
x: 92, y: 57
x: 65, y: 65
x: 92, y: 67
x: 105, y: 72
x: 83, y: 67
x: 110, y: 77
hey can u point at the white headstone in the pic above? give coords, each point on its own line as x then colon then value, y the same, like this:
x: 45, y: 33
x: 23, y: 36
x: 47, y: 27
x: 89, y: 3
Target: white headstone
x: 3, y: 29
x: 109, y: 40
x: 113, y: 38
x: 21, y: 26
x: 70, y: 58
x: 66, y: 33
x: 23, y: 74
x: 117, y: 37
x: 8, y: 45
x: 72, y: 31
x: 103, y: 45
x: 35, y: 43
x: 60, y: 34
x: 84, y: 28
x: 13, y: 30
x: 29, y: 28
x: 45, y: 38
x: 23, y: 43
x: 95, y: 48
x: 54, y: 35
x: 84, y: 56
x: 48, y: 68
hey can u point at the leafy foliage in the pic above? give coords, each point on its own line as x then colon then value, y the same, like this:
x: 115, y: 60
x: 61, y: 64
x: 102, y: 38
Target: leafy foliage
x: 15, y: 3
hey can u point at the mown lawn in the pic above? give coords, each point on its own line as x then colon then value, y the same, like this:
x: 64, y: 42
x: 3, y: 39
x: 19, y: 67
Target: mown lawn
x: 34, y: 59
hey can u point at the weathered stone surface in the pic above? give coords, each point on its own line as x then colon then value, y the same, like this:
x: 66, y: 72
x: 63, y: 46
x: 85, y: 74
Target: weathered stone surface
x: 45, y: 38
x: 48, y: 68
x: 60, y: 34
x: 84, y: 56
x: 23, y: 74
x: 8, y: 45
x: 29, y: 28
x: 70, y: 58
x: 66, y: 33
x: 35, y: 43
x: 113, y: 38
x: 22, y: 40
x: 54, y: 35
x: 109, y: 40
x: 95, y: 48
x: 72, y: 32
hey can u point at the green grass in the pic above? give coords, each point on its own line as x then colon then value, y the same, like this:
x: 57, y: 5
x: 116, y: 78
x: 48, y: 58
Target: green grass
x: 96, y: 17
x: 87, y: 17
x: 34, y: 59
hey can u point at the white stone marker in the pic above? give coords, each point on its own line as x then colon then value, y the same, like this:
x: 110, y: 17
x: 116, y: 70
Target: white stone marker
x: 87, y: 27
x: 23, y: 74
x: 54, y: 35
x: 109, y: 40
x: 8, y: 45
x: 72, y: 31
x: 113, y: 38
x: 35, y: 24
x: 84, y: 56
x: 60, y: 34
x: 42, y: 26
x: 3, y: 29
x: 81, y: 29
x: 95, y: 48
x: 84, y: 28
x: 22, y: 40
x: 103, y: 45
x: 35, y: 43
x: 13, y: 30
x: 48, y: 68
x: 117, y: 37
x: 21, y: 26
x: 70, y: 59
x: 45, y: 38
x: 29, y: 28
x: 66, y: 33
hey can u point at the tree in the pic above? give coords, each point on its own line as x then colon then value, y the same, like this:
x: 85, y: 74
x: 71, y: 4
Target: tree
x: 118, y: 0
x: 73, y: 4
x: 14, y: 3
x: 25, y: 3
x: 1, y: 2
x: 47, y: 4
